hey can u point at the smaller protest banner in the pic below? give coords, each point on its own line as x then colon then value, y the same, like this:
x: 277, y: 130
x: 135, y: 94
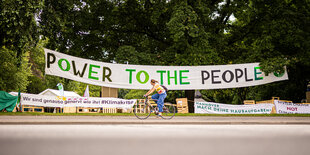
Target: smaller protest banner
x: 60, y: 101
x: 218, y: 108
x: 291, y: 108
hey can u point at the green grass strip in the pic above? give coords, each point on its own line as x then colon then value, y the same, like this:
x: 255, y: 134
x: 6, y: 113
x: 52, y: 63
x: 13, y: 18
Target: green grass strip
x: 131, y: 114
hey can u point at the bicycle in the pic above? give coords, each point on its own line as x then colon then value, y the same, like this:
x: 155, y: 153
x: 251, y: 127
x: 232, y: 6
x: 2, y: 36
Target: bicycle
x: 143, y: 110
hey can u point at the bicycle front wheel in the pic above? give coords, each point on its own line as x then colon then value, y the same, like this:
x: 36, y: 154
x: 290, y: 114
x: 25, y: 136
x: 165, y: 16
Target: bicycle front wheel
x: 142, y: 110
x: 168, y: 111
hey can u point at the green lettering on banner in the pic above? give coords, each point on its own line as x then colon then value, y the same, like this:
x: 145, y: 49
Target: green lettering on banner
x: 255, y: 73
x: 60, y: 64
x: 146, y: 77
x: 278, y: 74
x: 172, y: 77
x: 130, y: 74
x: 161, y: 76
x: 183, y: 77
x: 91, y: 71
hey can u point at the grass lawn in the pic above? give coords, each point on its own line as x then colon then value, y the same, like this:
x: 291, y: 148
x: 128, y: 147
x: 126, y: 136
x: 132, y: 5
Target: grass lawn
x: 131, y: 114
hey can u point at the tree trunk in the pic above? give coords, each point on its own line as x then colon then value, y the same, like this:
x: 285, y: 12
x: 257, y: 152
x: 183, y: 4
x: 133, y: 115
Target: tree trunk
x: 190, y: 95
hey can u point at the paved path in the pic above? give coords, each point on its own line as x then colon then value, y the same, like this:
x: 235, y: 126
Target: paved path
x: 154, y: 139
x: 152, y: 120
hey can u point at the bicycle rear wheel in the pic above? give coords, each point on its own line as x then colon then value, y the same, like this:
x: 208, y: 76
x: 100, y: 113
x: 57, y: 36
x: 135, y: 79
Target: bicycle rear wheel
x: 142, y: 110
x: 168, y: 111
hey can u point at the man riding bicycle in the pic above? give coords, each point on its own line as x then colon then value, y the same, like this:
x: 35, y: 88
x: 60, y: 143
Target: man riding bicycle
x: 159, y: 97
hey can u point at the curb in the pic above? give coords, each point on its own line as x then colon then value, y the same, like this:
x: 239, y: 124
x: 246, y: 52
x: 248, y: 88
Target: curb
x: 154, y: 123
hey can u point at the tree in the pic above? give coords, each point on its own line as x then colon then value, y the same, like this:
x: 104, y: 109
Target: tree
x: 19, y: 33
x: 38, y: 81
x: 178, y: 32
x: 18, y: 28
x: 13, y: 78
x: 151, y: 32
x: 275, y: 33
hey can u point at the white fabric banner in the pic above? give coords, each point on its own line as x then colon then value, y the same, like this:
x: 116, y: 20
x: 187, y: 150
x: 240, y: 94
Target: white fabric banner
x: 173, y: 77
x: 218, y: 108
x: 59, y: 101
x: 291, y: 108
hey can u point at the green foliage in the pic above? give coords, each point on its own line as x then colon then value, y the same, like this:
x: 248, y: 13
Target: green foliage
x: 183, y: 22
x: 173, y: 94
x: 38, y: 82
x: 36, y: 60
x: 135, y: 94
x: 122, y: 93
x: 231, y: 96
x: 18, y: 28
x: 19, y: 34
x: 127, y: 54
x: 13, y: 78
x: 79, y: 88
x: 36, y: 85
x: 275, y: 33
x: 185, y: 33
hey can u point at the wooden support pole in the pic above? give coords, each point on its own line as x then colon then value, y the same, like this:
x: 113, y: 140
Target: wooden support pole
x: 109, y: 92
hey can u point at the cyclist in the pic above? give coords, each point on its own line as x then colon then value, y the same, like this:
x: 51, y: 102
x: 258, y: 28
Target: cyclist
x: 159, y: 97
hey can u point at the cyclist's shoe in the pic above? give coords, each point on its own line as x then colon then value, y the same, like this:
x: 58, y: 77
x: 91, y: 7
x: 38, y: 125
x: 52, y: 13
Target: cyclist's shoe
x: 156, y: 112
x: 165, y: 109
x: 159, y: 115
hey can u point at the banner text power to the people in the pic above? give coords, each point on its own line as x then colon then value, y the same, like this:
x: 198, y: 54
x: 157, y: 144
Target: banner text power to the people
x: 174, y: 77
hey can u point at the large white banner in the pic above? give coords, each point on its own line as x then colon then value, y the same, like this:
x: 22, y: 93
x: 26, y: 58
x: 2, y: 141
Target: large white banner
x: 57, y: 101
x: 291, y: 108
x: 173, y: 77
x: 218, y: 108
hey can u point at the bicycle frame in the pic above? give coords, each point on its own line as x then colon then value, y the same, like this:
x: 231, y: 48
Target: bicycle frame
x: 144, y: 109
x: 149, y: 104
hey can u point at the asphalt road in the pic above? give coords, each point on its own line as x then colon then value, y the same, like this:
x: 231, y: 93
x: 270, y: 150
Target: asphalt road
x: 155, y: 139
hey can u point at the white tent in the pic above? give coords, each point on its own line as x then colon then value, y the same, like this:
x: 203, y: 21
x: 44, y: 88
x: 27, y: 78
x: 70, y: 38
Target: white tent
x: 53, y: 92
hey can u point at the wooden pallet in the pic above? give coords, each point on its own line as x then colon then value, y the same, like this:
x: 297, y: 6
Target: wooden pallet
x: 69, y: 110
x: 249, y: 102
x: 109, y: 110
x: 182, y: 105
x: 272, y: 101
